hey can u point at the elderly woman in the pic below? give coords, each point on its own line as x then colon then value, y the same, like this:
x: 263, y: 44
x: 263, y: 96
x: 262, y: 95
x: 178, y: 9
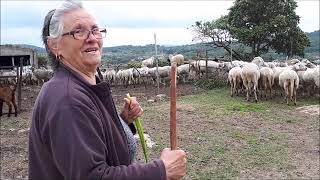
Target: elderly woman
x: 76, y: 132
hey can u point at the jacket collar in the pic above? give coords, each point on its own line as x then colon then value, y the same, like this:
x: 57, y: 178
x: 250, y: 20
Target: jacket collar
x: 65, y: 68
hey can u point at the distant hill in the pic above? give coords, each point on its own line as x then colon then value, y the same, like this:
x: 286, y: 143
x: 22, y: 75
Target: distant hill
x: 38, y: 50
x: 123, y: 54
x: 314, y: 49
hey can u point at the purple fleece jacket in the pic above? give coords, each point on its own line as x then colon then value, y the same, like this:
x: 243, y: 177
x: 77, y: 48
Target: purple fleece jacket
x: 76, y: 134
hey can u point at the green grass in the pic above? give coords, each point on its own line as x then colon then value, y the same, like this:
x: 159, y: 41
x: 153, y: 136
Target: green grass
x: 226, y: 138
x: 220, y: 99
x: 218, y: 103
x: 210, y: 159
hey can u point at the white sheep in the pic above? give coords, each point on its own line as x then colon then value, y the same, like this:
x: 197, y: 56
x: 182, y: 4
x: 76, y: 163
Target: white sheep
x: 128, y: 76
x: 140, y: 75
x: 293, y: 61
x: 179, y: 59
x: 276, y: 72
x: 234, y: 77
x: 238, y: 63
x: 266, y: 80
x: 183, y: 72
x: 119, y: 77
x: 124, y: 77
x: 316, y: 76
x: 300, y: 75
x: 271, y: 65
x: 43, y: 75
x: 250, y: 76
x: 308, y: 63
x: 258, y: 61
x: 148, y: 62
x: 227, y: 66
x: 110, y: 76
x: 164, y: 73
x: 308, y: 80
x: 200, y: 66
x: 280, y: 64
x: 9, y: 80
x: 289, y: 81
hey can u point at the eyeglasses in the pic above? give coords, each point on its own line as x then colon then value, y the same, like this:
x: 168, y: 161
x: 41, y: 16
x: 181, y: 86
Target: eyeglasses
x: 82, y: 34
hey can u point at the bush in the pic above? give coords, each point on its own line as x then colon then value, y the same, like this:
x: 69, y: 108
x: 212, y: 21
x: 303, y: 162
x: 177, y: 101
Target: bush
x: 163, y: 62
x: 42, y: 60
x: 136, y: 64
x: 210, y: 83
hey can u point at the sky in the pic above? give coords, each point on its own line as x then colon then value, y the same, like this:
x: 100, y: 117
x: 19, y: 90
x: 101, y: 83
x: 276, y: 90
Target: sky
x: 132, y: 22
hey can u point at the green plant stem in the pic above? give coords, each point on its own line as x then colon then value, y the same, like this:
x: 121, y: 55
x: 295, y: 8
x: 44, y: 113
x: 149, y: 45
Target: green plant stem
x: 141, y: 135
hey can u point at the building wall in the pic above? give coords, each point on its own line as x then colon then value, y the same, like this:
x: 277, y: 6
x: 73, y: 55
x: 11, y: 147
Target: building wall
x: 18, y: 51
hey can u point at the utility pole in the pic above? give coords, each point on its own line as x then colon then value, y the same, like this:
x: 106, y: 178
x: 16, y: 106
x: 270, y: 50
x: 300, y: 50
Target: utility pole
x: 155, y: 45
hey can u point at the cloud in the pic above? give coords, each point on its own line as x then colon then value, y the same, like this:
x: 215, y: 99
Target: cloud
x: 132, y: 22
x: 165, y: 36
x: 148, y: 14
x: 20, y: 14
x: 21, y: 35
x: 309, y: 15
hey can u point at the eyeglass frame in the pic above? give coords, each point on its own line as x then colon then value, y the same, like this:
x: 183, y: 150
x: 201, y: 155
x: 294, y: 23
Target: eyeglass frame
x: 101, y: 31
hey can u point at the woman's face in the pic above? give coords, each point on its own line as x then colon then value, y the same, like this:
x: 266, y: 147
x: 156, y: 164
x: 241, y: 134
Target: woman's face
x: 84, y: 55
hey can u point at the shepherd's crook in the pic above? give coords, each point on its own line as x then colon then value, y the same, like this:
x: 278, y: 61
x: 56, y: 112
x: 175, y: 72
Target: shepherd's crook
x: 173, y: 107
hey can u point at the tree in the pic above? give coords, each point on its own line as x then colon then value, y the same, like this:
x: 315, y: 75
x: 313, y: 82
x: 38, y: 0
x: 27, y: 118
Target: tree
x: 214, y: 33
x: 42, y: 60
x: 291, y: 43
x: 134, y: 64
x: 267, y: 24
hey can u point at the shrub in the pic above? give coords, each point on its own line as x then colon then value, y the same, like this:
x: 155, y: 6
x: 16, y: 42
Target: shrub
x: 42, y: 60
x: 136, y: 64
x: 210, y: 83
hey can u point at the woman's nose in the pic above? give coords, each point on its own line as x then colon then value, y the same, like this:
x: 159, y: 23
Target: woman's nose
x: 91, y: 38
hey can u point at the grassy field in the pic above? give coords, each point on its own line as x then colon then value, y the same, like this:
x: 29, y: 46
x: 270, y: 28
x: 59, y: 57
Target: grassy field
x: 228, y: 138
x: 224, y: 137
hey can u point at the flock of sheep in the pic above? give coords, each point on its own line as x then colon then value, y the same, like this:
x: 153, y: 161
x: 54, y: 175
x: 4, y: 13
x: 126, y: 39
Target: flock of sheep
x: 147, y: 74
x: 30, y: 76
x: 269, y: 76
x: 250, y: 77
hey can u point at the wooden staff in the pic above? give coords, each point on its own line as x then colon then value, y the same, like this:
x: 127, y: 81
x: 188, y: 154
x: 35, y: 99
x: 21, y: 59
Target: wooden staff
x: 173, y: 107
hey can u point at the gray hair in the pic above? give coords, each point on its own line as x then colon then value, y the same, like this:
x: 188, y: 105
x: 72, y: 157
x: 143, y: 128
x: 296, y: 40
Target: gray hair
x: 53, y: 26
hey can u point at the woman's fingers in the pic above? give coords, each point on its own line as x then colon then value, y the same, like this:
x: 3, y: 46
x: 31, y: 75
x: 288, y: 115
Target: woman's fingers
x: 126, y: 103
x: 136, y: 112
x: 133, y: 108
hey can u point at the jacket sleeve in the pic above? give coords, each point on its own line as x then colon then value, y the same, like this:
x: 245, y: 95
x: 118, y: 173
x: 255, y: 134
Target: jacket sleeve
x: 79, y: 152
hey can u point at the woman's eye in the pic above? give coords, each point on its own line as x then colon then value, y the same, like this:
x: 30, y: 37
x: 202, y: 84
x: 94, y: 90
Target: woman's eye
x: 78, y: 31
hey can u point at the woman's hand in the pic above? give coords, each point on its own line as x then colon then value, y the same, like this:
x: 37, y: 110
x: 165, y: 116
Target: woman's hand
x: 131, y: 110
x: 175, y: 162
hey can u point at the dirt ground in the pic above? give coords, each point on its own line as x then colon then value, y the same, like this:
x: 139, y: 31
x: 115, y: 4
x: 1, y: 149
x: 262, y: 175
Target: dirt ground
x: 15, y: 130
x: 305, y: 151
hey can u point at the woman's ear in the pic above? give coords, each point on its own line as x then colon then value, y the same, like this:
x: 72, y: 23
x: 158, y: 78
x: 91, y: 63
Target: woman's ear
x: 53, y: 46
